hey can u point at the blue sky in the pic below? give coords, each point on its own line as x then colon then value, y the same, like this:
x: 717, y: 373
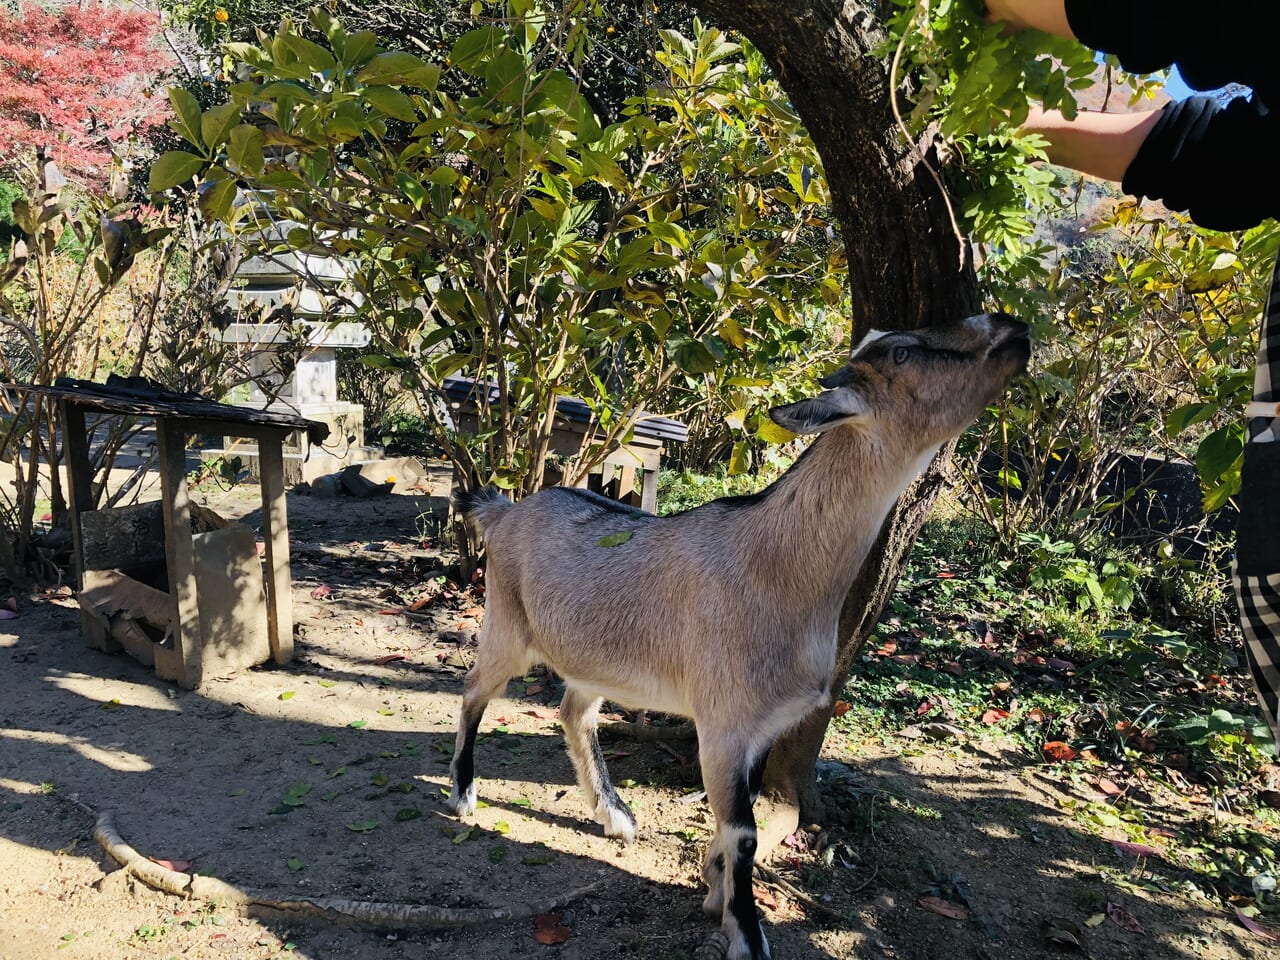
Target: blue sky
x: 1176, y: 87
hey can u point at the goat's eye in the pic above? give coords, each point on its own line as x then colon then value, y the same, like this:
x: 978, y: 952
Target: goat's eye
x: 900, y: 354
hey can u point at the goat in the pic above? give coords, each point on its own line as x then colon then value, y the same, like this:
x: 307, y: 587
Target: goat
x: 726, y: 613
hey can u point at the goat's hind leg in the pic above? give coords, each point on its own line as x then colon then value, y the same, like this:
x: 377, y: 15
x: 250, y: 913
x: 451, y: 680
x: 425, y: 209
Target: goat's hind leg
x: 578, y: 716
x: 487, y: 679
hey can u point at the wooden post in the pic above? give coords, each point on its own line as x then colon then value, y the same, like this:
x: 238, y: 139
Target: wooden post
x: 275, y: 534
x: 184, y: 664
x: 75, y: 453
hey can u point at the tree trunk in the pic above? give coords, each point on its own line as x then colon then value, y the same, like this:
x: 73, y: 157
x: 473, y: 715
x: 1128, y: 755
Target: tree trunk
x: 904, y: 269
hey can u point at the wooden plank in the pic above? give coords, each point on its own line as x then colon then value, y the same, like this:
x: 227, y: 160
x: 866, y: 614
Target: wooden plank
x: 649, y: 491
x: 275, y: 533
x: 184, y: 667
x: 75, y: 451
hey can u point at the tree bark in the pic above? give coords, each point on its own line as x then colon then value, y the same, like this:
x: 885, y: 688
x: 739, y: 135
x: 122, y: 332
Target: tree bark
x: 905, y: 270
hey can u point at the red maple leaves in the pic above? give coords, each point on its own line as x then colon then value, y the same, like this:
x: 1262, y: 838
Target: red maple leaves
x: 76, y: 81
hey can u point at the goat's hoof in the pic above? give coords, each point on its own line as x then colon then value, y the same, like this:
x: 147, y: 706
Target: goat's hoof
x: 618, y: 820
x: 462, y: 804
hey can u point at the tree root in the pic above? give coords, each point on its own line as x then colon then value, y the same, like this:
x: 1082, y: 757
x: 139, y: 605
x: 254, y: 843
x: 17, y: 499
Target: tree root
x: 645, y: 732
x: 397, y: 916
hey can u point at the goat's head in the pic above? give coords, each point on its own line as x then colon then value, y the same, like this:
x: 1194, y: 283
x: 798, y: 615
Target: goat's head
x: 927, y: 384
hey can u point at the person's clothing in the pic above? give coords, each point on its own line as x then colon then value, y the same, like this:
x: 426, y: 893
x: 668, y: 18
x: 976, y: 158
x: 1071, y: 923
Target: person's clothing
x: 1211, y: 48
x: 1214, y: 161
x: 1256, y: 569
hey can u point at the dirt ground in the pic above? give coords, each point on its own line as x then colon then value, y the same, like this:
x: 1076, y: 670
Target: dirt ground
x: 326, y: 778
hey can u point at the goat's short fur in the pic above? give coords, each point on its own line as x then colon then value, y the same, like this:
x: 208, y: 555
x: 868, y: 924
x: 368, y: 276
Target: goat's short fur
x: 726, y: 613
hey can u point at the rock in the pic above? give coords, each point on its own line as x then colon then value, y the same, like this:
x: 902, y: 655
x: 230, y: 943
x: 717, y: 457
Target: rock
x: 326, y: 487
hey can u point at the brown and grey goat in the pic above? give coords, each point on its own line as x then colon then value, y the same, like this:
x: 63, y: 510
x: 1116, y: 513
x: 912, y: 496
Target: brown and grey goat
x: 726, y: 613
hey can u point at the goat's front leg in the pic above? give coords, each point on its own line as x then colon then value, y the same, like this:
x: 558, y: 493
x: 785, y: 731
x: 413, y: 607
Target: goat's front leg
x: 727, y: 774
x: 578, y: 716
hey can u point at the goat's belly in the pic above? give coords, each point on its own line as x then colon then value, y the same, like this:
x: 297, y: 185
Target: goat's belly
x: 632, y: 692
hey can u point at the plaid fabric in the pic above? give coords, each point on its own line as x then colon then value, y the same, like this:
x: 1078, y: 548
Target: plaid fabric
x: 1259, y: 599
x: 1256, y: 569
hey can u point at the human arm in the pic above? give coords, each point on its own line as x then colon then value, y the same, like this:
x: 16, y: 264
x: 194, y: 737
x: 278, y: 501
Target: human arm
x: 1099, y: 144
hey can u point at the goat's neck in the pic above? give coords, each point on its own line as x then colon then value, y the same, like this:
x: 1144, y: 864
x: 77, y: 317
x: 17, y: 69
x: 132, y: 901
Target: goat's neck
x: 820, y: 522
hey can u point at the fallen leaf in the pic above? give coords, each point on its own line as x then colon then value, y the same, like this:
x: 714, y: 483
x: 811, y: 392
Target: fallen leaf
x: 1001, y: 687
x: 765, y: 898
x: 1253, y: 927
x: 1062, y: 934
x: 286, y: 695
x: 946, y: 575
x: 841, y: 708
x: 472, y: 612
x: 1059, y: 751
x: 552, y: 715
x: 548, y: 929
x: 420, y: 603
x: 944, y: 908
x: 1062, y: 666
x: 952, y: 668
x: 941, y: 731
x: 614, y: 539
x: 1109, y: 788
x: 994, y: 716
x: 178, y: 866
x: 1123, y: 918
x: 1095, y: 920
x: 321, y: 592
x: 887, y: 649
x: 389, y: 658
x: 924, y: 708
x: 1036, y: 715
x: 1137, y: 849
x: 533, y: 689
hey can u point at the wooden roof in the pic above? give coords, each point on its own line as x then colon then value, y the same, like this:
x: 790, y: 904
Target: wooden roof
x: 140, y: 397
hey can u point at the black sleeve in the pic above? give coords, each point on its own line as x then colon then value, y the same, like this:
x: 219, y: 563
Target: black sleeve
x: 1217, y: 163
x: 1211, y: 46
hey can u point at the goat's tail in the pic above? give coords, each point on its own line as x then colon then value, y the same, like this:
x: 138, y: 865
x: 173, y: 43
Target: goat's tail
x: 481, y: 507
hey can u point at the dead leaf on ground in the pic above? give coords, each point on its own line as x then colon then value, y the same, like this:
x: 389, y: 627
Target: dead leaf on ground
x: 765, y: 898
x: 533, y: 689
x: 551, y: 715
x: 1254, y: 927
x: 1137, y: 849
x: 841, y: 708
x: 1059, y: 751
x: 1123, y: 919
x: 321, y: 592
x: 1062, y: 934
x: 944, y: 908
x: 1108, y: 787
x: 548, y: 929
x: 994, y: 716
x: 389, y: 658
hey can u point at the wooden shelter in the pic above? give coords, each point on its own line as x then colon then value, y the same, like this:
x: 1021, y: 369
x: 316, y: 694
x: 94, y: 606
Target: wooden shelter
x: 139, y: 569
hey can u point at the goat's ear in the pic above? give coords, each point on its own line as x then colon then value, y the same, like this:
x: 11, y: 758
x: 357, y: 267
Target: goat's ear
x: 827, y: 410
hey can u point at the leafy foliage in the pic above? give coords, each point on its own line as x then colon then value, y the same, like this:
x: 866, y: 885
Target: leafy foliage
x: 75, y: 84
x: 497, y: 229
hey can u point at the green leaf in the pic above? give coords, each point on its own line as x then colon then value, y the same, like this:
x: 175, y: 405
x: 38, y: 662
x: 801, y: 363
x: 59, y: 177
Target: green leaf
x: 405, y: 814
x: 286, y: 695
x: 358, y: 724
x: 614, y: 539
x: 497, y: 854
x: 1219, y: 452
x: 475, y: 46
x: 173, y: 168
x: 217, y: 199
x: 362, y: 826
x: 245, y: 151
x: 294, y: 864
x: 690, y: 355
x: 327, y: 683
x: 391, y: 102
x: 398, y: 67
x: 502, y: 827
x: 186, y: 121
x: 462, y: 836
x: 521, y: 802
x: 217, y: 123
